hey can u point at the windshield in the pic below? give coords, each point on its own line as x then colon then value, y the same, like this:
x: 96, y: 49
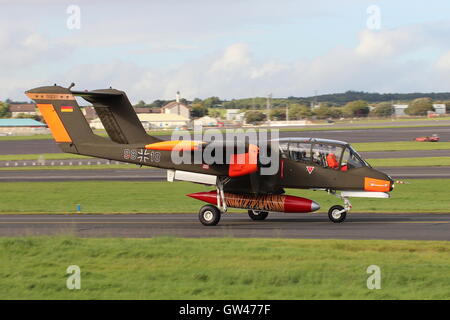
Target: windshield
x: 351, y: 159
x: 326, y: 155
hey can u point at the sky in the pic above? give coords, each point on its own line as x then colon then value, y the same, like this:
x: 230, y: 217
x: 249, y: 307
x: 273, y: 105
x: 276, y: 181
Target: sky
x: 230, y: 49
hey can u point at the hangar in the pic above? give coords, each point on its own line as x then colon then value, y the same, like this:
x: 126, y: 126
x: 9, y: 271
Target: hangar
x: 21, y: 126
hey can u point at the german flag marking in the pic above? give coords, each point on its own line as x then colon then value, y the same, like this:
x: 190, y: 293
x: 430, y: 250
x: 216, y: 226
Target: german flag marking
x: 66, y: 109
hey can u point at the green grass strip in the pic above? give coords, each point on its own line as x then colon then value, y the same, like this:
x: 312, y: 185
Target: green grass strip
x: 167, y: 197
x: 43, y: 156
x: 305, y: 128
x: 74, y: 167
x: 400, y: 146
x: 222, y: 268
x: 410, y: 162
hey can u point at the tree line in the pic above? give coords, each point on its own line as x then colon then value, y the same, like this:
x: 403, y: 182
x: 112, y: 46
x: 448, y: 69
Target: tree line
x: 300, y: 108
x: 352, y: 109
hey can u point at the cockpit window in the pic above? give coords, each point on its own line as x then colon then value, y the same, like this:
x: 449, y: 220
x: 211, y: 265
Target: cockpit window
x: 299, y: 151
x: 332, y: 156
x: 326, y: 155
x: 284, y: 149
x: 351, y: 160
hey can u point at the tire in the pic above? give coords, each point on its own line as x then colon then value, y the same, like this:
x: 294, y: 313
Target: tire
x: 336, y: 217
x: 209, y: 215
x: 257, y: 215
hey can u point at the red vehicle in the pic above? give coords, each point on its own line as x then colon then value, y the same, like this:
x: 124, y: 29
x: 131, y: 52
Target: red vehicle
x: 433, y: 138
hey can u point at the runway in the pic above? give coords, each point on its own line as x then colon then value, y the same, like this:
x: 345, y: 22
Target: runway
x: 83, y: 175
x: 374, y: 135
x: 96, y: 161
x: 352, y: 136
x: 145, y: 174
x: 420, y: 226
x: 405, y: 154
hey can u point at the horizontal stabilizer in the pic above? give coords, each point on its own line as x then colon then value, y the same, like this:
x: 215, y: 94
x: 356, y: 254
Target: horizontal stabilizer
x: 96, y: 94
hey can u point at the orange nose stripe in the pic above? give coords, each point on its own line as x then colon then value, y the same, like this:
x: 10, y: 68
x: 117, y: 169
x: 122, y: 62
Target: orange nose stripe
x: 177, y: 145
x: 377, y: 185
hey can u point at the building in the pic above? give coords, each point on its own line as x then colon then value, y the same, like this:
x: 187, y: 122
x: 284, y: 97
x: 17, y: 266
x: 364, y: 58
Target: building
x: 88, y: 112
x: 22, y: 109
x: 21, y: 126
x: 96, y: 124
x: 141, y: 110
x: 439, y: 108
x: 234, y: 115
x: 177, y: 107
x: 152, y: 121
x: 399, y: 109
x: 146, y: 110
x: 163, y: 120
x: 206, y: 121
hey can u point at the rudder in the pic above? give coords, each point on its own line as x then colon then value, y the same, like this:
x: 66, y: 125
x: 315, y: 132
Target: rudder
x: 69, y: 127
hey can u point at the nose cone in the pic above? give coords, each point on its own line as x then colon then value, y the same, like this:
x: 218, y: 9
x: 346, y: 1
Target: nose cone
x: 392, y: 183
x: 314, y: 206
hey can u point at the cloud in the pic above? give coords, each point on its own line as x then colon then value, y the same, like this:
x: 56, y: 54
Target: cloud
x: 22, y: 48
x: 388, y: 60
x: 388, y: 43
x: 443, y: 63
x: 235, y: 57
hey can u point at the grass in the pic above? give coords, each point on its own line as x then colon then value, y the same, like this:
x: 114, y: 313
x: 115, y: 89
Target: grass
x: 30, y: 137
x: 74, y: 167
x: 400, y: 146
x: 387, y: 162
x: 166, y: 197
x: 363, y: 147
x: 222, y: 268
x: 43, y: 156
x: 410, y: 162
x: 305, y: 128
x: 382, y: 120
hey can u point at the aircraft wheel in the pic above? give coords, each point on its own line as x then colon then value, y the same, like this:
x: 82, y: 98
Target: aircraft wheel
x: 337, y: 214
x: 257, y: 215
x: 209, y: 215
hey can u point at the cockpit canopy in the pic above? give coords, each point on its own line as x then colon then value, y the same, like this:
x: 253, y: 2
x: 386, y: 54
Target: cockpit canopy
x: 331, y: 154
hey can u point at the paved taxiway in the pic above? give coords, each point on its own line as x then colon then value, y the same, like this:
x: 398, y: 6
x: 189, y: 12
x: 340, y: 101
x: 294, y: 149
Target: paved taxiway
x: 352, y: 136
x: 95, y: 161
x: 420, y: 226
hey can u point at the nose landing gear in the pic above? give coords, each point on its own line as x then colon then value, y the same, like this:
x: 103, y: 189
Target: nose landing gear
x: 337, y: 213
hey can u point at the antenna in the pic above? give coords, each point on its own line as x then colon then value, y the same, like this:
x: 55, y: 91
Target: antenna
x: 268, y: 105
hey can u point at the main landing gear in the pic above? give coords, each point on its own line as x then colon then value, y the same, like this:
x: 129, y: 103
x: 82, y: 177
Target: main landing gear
x: 257, y: 215
x: 209, y: 215
x: 337, y: 213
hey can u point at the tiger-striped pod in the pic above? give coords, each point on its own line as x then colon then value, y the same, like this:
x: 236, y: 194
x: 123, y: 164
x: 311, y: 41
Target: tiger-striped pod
x: 266, y: 202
